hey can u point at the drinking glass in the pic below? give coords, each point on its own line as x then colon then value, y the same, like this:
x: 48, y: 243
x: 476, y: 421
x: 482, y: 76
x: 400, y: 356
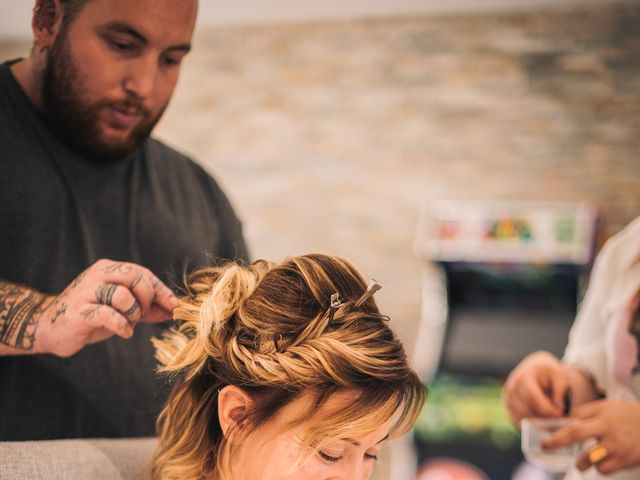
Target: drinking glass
x: 558, y: 461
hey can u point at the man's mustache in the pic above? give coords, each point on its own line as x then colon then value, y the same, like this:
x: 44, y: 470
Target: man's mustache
x: 131, y: 105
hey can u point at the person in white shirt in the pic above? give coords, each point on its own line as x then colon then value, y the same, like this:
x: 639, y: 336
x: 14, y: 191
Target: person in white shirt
x: 599, y: 372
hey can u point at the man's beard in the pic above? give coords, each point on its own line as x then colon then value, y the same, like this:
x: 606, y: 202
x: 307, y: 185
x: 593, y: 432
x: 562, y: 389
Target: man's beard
x: 76, y: 122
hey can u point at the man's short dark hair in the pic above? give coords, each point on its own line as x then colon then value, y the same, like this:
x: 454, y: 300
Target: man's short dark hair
x: 71, y: 8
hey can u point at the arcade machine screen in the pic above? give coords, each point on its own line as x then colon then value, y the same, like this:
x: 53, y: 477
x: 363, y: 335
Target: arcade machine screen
x: 513, y: 277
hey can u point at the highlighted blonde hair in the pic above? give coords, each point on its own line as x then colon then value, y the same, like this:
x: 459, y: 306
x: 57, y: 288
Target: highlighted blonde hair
x: 267, y: 328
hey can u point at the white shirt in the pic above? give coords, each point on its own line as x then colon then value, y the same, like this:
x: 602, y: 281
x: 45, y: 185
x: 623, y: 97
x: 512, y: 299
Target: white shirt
x: 599, y: 342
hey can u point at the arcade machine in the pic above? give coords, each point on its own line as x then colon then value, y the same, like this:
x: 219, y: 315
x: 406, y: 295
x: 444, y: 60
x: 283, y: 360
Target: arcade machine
x: 500, y: 281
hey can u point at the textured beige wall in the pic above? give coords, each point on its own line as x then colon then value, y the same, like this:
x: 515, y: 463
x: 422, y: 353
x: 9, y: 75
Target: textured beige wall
x: 329, y: 136
x: 14, y: 21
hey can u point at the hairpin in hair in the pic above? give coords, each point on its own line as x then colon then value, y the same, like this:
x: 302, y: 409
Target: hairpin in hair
x: 277, y: 344
x: 372, y: 288
x: 334, y: 304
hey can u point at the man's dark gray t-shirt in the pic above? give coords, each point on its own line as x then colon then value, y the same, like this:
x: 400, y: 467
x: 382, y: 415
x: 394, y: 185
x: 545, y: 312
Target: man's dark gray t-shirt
x: 60, y: 212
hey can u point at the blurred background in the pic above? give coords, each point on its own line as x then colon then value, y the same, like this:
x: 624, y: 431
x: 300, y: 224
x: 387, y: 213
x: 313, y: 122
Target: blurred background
x: 471, y: 157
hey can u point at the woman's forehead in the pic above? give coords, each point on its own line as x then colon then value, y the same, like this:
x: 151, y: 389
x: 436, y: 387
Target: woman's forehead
x: 303, y: 414
x: 307, y: 403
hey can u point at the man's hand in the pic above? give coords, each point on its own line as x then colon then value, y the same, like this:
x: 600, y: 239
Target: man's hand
x: 107, y: 298
x: 536, y: 388
x: 614, y: 424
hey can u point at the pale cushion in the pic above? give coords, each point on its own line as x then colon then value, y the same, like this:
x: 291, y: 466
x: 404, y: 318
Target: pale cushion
x: 112, y: 459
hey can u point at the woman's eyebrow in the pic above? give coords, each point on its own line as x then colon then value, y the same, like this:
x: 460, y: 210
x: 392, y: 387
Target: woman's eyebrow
x: 357, y: 443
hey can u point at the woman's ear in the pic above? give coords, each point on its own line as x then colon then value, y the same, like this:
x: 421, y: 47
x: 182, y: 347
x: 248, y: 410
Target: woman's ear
x: 233, y: 406
x: 46, y: 21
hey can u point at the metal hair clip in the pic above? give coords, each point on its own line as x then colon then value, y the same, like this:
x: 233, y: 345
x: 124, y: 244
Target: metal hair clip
x: 277, y: 344
x: 334, y: 304
x: 372, y: 288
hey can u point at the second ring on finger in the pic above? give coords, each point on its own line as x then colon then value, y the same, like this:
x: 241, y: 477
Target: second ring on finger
x: 119, y: 298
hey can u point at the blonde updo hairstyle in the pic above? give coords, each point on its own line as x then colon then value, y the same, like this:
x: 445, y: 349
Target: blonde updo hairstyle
x: 269, y: 330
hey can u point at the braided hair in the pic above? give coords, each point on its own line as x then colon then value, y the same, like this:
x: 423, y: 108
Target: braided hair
x: 270, y: 330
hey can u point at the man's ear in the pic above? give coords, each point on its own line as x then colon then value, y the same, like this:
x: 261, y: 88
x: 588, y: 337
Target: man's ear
x: 46, y: 21
x: 233, y: 406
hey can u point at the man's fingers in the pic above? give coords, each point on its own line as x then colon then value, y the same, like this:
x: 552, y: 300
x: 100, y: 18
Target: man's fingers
x: 143, y: 284
x: 117, y: 323
x: 137, y: 279
x: 163, y: 301
x: 156, y: 314
x: 99, y: 335
x: 102, y: 316
x: 121, y: 299
x: 165, y: 298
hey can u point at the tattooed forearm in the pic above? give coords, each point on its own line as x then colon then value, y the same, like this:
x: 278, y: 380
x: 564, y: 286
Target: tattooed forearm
x: 19, y: 311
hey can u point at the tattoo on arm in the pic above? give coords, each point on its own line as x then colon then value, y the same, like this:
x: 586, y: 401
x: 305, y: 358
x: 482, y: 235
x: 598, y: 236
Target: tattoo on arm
x: 19, y: 310
x: 104, y: 294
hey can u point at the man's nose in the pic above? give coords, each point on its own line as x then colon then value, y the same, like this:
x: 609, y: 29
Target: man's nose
x: 141, y: 77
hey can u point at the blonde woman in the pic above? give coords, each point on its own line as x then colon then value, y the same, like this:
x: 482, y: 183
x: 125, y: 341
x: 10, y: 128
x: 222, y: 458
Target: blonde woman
x: 281, y: 372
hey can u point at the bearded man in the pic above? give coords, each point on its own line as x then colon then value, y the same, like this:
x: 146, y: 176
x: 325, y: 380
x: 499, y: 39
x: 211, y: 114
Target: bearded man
x: 95, y: 217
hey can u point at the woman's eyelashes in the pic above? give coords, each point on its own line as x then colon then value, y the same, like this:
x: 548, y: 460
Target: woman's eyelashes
x: 329, y: 458
x: 336, y: 458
